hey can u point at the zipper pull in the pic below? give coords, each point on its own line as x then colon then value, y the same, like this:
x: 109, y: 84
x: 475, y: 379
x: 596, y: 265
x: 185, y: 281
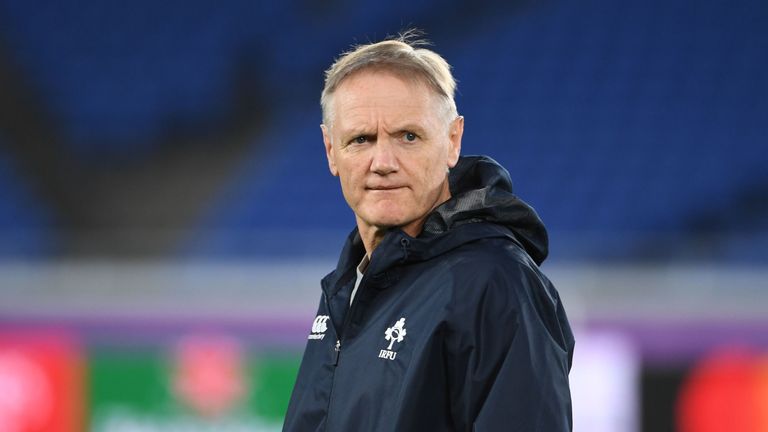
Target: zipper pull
x: 337, y: 348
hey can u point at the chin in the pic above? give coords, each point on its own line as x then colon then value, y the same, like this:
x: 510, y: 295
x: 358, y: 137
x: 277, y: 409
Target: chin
x: 388, y: 221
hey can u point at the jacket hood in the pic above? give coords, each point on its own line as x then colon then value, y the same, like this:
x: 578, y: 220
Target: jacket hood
x: 481, y: 191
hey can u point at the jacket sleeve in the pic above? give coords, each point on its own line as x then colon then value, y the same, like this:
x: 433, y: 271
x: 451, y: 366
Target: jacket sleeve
x: 508, y: 355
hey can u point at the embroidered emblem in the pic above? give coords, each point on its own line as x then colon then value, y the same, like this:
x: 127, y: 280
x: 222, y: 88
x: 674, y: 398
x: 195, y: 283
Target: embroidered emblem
x: 393, y: 334
x: 319, y: 327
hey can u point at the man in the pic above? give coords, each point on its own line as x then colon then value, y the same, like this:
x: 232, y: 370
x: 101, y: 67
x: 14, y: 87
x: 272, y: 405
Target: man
x: 437, y: 317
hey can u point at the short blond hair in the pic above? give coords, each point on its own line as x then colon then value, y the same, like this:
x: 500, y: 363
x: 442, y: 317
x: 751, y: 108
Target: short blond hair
x: 404, y: 56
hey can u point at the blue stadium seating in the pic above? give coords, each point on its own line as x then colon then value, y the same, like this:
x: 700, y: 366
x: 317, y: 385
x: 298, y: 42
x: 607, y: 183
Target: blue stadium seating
x: 611, y: 117
x: 25, y: 224
x: 625, y: 119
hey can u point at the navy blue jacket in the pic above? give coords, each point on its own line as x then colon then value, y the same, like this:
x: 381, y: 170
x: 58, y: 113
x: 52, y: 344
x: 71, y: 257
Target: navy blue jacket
x: 453, y: 330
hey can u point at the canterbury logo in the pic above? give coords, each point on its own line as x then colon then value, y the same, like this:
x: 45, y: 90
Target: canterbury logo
x: 319, y: 327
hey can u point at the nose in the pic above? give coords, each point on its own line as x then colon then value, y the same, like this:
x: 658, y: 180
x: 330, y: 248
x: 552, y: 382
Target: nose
x: 384, y: 158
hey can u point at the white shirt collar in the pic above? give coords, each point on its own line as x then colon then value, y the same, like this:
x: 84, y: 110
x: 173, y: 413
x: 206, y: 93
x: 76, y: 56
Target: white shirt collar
x: 361, y: 268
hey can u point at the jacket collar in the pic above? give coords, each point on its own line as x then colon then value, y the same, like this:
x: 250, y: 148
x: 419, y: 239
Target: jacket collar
x: 481, y: 191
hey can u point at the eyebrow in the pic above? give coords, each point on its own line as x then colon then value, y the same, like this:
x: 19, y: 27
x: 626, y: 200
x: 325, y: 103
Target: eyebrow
x: 364, y: 131
x: 410, y: 127
x: 357, y: 131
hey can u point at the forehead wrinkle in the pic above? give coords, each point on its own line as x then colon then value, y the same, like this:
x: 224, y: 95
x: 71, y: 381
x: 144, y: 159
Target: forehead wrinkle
x: 361, y: 107
x: 357, y: 123
x: 370, y: 118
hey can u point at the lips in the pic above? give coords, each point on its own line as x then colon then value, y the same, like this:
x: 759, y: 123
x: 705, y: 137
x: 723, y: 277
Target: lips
x: 384, y: 187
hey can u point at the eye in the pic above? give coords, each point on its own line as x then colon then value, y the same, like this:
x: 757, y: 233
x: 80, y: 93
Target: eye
x: 409, y: 137
x: 360, y: 140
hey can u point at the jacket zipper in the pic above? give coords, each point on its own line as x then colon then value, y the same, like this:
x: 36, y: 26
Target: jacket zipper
x: 338, y: 352
x: 337, y: 348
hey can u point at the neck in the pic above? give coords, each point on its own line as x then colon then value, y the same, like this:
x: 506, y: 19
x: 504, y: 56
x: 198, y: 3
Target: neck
x: 373, y: 235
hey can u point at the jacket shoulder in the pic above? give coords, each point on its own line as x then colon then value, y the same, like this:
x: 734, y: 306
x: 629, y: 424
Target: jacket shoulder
x: 493, y: 259
x: 496, y: 280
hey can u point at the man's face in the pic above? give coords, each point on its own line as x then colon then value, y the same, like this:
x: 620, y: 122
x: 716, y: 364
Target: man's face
x: 391, y: 143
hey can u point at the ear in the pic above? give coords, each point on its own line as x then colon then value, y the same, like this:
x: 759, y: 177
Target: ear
x: 329, y: 150
x: 455, y: 133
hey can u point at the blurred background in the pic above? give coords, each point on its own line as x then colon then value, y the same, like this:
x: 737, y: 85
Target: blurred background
x: 166, y: 211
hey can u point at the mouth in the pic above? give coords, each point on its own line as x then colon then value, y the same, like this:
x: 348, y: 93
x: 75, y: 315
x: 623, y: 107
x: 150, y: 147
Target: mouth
x: 383, y: 188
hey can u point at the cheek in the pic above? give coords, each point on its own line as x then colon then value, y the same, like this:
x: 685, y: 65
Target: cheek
x: 436, y: 170
x: 350, y: 185
x: 346, y: 185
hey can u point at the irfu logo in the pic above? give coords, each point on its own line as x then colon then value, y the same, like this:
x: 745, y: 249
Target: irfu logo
x: 393, y: 334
